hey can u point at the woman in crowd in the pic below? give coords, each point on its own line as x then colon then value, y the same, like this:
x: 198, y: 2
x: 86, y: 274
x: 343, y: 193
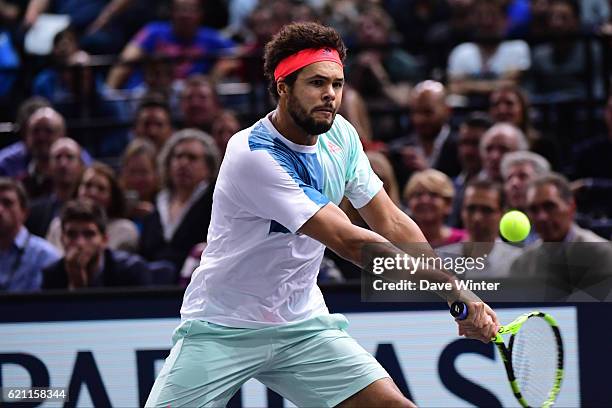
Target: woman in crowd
x: 429, y: 196
x: 139, y: 178
x: 510, y: 104
x: 100, y: 184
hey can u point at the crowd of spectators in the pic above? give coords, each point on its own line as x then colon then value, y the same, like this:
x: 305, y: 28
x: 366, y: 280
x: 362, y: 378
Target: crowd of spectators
x: 113, y: 135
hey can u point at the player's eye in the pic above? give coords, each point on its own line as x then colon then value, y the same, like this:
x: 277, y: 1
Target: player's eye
x: 317, y: 82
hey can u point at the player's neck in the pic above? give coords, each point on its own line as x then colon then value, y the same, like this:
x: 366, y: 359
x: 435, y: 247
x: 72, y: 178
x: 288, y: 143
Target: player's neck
x: 286, y: 126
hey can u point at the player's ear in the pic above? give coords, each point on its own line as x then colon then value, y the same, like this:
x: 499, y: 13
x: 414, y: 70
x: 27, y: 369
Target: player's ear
x: 282, y: 87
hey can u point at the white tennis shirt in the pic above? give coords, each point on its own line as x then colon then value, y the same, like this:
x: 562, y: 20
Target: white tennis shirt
x: 256, y: 270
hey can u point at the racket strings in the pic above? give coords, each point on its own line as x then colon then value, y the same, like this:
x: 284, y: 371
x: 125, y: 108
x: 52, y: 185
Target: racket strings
x: 534, y: 360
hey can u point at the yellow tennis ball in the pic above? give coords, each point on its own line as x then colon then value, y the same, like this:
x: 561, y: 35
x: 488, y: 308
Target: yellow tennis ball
x: 514, y: 226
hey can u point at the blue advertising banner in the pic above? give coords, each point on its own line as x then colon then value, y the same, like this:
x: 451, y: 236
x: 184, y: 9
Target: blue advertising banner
x: 106, y: 349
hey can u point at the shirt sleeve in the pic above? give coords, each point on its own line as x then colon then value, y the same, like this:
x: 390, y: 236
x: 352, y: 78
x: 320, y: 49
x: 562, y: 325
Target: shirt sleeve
x: 212, y: 40
x: 145, y: 38
x: 270, y: 191
x: 522, y: 56
x: 362, y: 183
x: 222, y: 43
x: 461, y: 60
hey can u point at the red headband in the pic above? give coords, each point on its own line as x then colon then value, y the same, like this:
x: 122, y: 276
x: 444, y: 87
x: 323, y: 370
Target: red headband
x: 305, y: 57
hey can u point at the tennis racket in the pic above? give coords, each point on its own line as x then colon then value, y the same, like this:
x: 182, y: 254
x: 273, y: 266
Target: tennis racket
x: 533, y: 357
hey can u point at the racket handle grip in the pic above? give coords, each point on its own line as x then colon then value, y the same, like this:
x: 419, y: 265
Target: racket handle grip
x: 459, y: 310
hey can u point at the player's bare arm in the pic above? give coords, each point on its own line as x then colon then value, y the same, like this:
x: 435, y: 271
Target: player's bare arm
x: 384, y: 217
x: 332, y: 227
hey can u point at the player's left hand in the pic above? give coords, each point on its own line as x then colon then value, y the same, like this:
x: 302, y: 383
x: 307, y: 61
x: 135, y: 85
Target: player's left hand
x: 481, y: 324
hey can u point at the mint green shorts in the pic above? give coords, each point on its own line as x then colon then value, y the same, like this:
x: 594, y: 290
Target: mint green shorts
x: 313, y: 363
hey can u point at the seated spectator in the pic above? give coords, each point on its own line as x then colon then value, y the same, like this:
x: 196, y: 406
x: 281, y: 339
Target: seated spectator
x: 432, y: 144
x: 42, y: 129
x: 66, y: 167
x: 153, y: 121
x: 96, y: 20
x: 224, y: 127
x: 158, y: 84
x: 199, y: 103
x: 482, y: 209
x: 429, y: 196
x: 58, y: 83
x: 551, y: 209
x: 571, y: 262
x: 518, y: 169
x: 499, y: 140
x: 88, y: 261
x: 100, y: 185
x: 510, y: 104
x: 378, y: 70
x: 188, y: 167
x: 47, y: 82
x: 480, y: 68
x: 470, y: 133
x: 22, y: 255
x: 24, y: 111
x: 444, y: 34
x: 77, y: 93
x: 139, y: 178
x: 560, y: 68
x: 181, y: 38
x: 28, y: 160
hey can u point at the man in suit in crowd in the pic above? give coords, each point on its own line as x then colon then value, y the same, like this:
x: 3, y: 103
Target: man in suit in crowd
x: 433, y: 144
x: 568, y: 262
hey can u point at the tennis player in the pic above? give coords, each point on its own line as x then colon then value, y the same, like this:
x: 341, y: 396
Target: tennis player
x: 253, y: 308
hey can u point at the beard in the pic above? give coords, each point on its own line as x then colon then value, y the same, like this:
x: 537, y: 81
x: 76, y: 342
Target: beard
x: 302, y: 119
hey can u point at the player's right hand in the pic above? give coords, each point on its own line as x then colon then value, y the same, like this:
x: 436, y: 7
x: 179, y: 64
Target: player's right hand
x: 481, y: 322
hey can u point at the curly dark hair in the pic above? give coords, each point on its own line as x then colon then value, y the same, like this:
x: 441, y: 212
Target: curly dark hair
x: 296, y: 37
